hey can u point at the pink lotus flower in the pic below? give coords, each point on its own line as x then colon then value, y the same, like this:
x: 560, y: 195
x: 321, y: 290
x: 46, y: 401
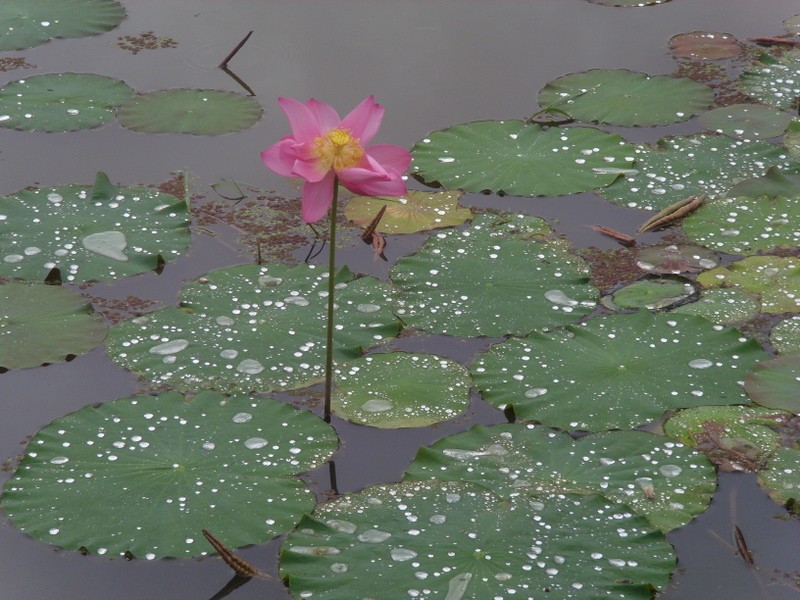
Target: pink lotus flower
x: 323, y: 146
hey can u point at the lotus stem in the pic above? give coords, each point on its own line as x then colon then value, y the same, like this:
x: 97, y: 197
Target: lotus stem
x: 331, y: 286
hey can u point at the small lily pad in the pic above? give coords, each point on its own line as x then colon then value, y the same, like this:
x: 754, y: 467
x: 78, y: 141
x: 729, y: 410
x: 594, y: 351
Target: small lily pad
x: 776, y: 383
x: 722, y: 306
x: 28, y: 23
x: 517, y: 158
x: 457, y: 540
x: 704, y: 45
x: 145, y: 475
x: 401, y: 390
x: 622, y: 97
x: 651, y: 293
x: 416, y: 211
x: 785, y: 336
x: 61, y: 102
x: 774, y: 280
x: 90, y: 232
x: 200, y: 112
x: 666, y: 482
x: 41, y: 324
x: 674, y: 259
x: 746, y: 121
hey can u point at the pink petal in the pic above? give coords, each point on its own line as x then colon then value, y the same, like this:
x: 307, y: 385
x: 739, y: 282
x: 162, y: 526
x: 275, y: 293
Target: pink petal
x: 390, y: 157
x: 364, y: 120
x: 326, y: 116
x: 281, y: 157
x: 368, y: 182
x: 317, y: 198
x: 302, y: 120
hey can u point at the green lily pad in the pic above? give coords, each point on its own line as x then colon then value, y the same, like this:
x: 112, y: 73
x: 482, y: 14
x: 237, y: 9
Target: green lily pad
x: 746, y: 121
x: 622, y: 97
x: 776, y: 383
x: 43, y: 324
x: 651, y: 293
x: 773, y: 279
x: 491, y: 279
x: 61, y: 101
x: 401, y: 390
x: 90, y: 232
x: 254, y: 328
x: 774, y: 82
x: 458, y: 540
x: 144, y: 475
x: 742, y: 225
x: 28, y: 23
x: 666, y: 482
x: 513, y: 157
x: 736, y: 438
x: 416, y: 211
x: 781, y: 476
x: 617, y: 371
x: 773, y: 183
x: 704, y: 45
x: 785, y: 336
x: 680, y: 167
x: 673, y: 259
x: 200, y: 112
x: 791, y: 139
x: 722, y: 306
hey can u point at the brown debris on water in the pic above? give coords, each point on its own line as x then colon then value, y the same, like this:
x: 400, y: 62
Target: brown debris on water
x: 147, y: 40
x: 12, y: 63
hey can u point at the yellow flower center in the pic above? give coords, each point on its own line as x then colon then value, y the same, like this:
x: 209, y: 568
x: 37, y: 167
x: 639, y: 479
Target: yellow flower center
x: 338, y: 149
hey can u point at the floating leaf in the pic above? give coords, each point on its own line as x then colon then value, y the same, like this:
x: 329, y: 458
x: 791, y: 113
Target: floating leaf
x: 98, y: 232
x: 513, y: 157
x: 622, y: 97
x: 145, y: 475
x: 201, y: 112
x: 673, y: 259
x: 776, y: 383
x: 773, y: 279
x: 746, y: 121
x: 737, y: 438
x: 61, y: 101
x: 493, y: 278
x: 401, y: 390
x: 774, y: 82
x: 680, y: 167
x: 773, y: 183
x: 457, y: 540
x: 704, y: 45
x: 781, y: 476
x: 791, y: 139
x: 28, y: 23
x: 253, y: 328
x: 43, y: 324
x: 741, y: 225
x: 785, y: 336
x: 722, y: 306
x: 651, y: 293
x: 619, y: 465
x: 616, y: 371
x: 416, y: 211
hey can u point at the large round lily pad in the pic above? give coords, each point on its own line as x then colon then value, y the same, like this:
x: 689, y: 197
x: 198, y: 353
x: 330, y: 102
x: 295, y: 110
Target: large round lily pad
x: 658, y: 478
x: 517, y: 158
x: 774, y: 82
x: 622, y: 97
x: 774, y: 280
x: 254, y: 328
x: 776, y: 383
x: 781, y: 476
x: 42, y: 324
x: 723, y: 306
x: 458, y: 540
x: 28, y: 23
x: 61, y: 101
x: 145, y: 475
x: 499, y: 276
x: 90, y: 232
x: 617, y: 371
x: 399, y: 389
x: 201, y: 112
x: 741, y: 225
x: 747, y: 121
x: 679, y: 167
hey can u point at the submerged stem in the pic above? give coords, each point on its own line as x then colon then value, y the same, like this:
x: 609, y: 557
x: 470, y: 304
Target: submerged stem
x: 331, y: 273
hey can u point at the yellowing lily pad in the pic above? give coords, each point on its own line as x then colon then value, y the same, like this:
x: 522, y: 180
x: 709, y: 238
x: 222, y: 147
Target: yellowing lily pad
x: 704, y: 45
x: 774, y: 279
x: 416, y: 211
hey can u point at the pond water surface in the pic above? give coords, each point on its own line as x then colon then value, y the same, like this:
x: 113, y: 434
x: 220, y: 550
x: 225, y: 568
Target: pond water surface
x: 431, y: 64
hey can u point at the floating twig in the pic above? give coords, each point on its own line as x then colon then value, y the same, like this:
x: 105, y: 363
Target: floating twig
x: 741, y: 545
x: 239, y: 80
x: 773, y: 41
x: 233, y: 52
x: 240, y: 566
x: 622, y: 238
x: 672, y: 213
x: 370, y: 236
